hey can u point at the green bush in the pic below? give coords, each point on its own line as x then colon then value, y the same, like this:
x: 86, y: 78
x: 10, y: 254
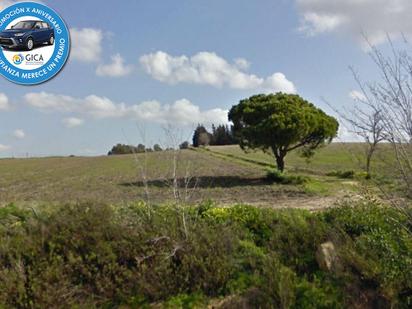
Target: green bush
x: 349, y: 174
x: 91, y: 255
x: 318, y: 294
x: 276, y: 176
x: 185, y: 301
x: 296, y: 235
x: 377, y: 245
x: 184, y: 145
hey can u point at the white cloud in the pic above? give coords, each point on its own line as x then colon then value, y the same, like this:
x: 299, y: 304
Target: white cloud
x: 116, y: 68
x: 86, y: 44
x: 4, y: 102
x: 72, y: 122
x: 19, y: 134
x: 181, y: 112
x: 209, y: 69
x: 50, y: 102
x: 373, y: 18
x: 314, y: 23
x: 242, y: 63
x: 357, y: 95
x: 94, y: 106
x: 279, y: 82
x: 4, y: 147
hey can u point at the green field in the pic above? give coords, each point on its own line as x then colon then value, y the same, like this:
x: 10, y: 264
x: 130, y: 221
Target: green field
x: 336, y: 156
x: 224, y: 174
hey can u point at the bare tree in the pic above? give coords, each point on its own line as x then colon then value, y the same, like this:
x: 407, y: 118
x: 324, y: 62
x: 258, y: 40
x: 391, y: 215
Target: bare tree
x: 178, y: 177
x: 182, y: 187
x: 383, y: 112
x: 391, y: 98
x: 366, y: 121
x: 141, y: 163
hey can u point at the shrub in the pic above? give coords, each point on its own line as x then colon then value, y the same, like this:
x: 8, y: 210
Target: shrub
x: 184, y: 145
x: 157, y: 147
x: 285, y: 179
x: 98, y: 255
x: 349, y: 174
x: 91, y: 255
x: 186, y: 301
x: 250, y: 218
x: 277, y: 284
x: 376, y: 244
x: 296, y: 235
x: 318, y: 294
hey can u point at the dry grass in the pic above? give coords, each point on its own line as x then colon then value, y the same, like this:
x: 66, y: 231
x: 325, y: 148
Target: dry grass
x: 118, y: 179
x: 224, y: 174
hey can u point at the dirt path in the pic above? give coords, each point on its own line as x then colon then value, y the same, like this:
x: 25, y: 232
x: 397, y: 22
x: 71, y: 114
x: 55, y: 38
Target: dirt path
x: 309, y: 203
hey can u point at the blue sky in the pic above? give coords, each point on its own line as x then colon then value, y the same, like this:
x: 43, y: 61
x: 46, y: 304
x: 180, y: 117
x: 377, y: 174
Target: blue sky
x: 142, y: 65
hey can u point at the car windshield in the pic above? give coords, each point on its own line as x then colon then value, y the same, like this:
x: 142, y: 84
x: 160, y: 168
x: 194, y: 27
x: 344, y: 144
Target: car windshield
x: 24, y: 25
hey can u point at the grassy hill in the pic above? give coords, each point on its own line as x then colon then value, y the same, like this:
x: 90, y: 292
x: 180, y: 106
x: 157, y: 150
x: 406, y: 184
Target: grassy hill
x: 224, y: 174
x: 336, y: 156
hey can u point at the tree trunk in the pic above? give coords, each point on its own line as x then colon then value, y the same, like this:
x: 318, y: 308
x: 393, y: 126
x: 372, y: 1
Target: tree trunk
x: 279, y: 154
x: 280, y: 162
x: 369, y: 155
x: 368, y: 165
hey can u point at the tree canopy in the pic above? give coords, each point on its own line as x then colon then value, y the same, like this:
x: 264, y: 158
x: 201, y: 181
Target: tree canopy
x: 121, y: 149
x: 281, y: 123
x: 221, y: 135
x: 201, y: 137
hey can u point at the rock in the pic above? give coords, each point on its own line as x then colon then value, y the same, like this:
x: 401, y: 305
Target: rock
x: 326, y: 256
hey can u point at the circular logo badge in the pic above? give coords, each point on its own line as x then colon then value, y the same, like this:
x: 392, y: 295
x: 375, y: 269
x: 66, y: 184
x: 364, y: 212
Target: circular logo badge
x: 34, y: 43
x: 18, y: 59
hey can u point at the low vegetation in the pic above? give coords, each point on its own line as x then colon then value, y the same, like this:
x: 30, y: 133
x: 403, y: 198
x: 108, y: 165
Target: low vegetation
x: 349, y: 174
x: 284, y: 178
x: 92, y: 255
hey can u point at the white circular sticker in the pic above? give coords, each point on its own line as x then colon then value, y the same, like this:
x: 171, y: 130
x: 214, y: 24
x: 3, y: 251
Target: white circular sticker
x: 34, y: 43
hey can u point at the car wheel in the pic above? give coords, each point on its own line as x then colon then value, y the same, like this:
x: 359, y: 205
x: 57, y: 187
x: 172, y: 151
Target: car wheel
x: 30, y: 44
x: 51, y: 40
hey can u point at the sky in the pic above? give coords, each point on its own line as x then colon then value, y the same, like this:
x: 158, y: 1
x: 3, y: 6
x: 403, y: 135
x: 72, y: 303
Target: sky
x: 137, y: 67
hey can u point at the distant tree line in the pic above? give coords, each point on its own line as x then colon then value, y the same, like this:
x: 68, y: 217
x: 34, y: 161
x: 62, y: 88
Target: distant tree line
x: 220, y: 135
x: 121, y: 149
